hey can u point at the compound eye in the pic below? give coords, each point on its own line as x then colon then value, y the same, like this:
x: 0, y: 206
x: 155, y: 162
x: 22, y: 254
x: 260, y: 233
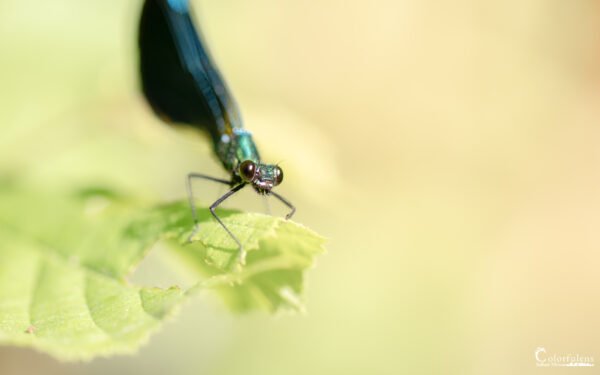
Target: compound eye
x: 278, y: 175
x: 247, y: 170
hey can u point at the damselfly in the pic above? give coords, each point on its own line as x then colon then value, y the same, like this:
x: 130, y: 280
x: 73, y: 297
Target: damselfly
x: 183, y: 86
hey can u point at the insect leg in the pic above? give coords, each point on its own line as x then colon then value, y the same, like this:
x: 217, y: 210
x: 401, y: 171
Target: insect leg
x: 192, y: 200
x: 235, y: 189
x: 287, y: 203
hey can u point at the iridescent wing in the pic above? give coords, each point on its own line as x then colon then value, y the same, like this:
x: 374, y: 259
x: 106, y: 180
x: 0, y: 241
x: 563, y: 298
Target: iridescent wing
x: 179, y: 78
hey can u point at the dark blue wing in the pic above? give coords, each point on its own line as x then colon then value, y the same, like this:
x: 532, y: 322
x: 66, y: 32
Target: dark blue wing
x: 179, y: 78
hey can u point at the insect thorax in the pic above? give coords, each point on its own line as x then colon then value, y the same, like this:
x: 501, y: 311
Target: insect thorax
x: 234, y: 148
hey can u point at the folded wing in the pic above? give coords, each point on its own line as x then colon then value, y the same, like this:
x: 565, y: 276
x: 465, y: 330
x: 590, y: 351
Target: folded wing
x: 179, y: 78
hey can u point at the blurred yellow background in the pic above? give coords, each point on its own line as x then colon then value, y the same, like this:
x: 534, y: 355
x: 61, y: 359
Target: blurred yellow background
x: 448, y: 150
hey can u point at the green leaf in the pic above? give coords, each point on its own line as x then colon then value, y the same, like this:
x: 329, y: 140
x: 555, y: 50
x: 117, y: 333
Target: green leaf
x: 64, y: 262
x: 279, y: 253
